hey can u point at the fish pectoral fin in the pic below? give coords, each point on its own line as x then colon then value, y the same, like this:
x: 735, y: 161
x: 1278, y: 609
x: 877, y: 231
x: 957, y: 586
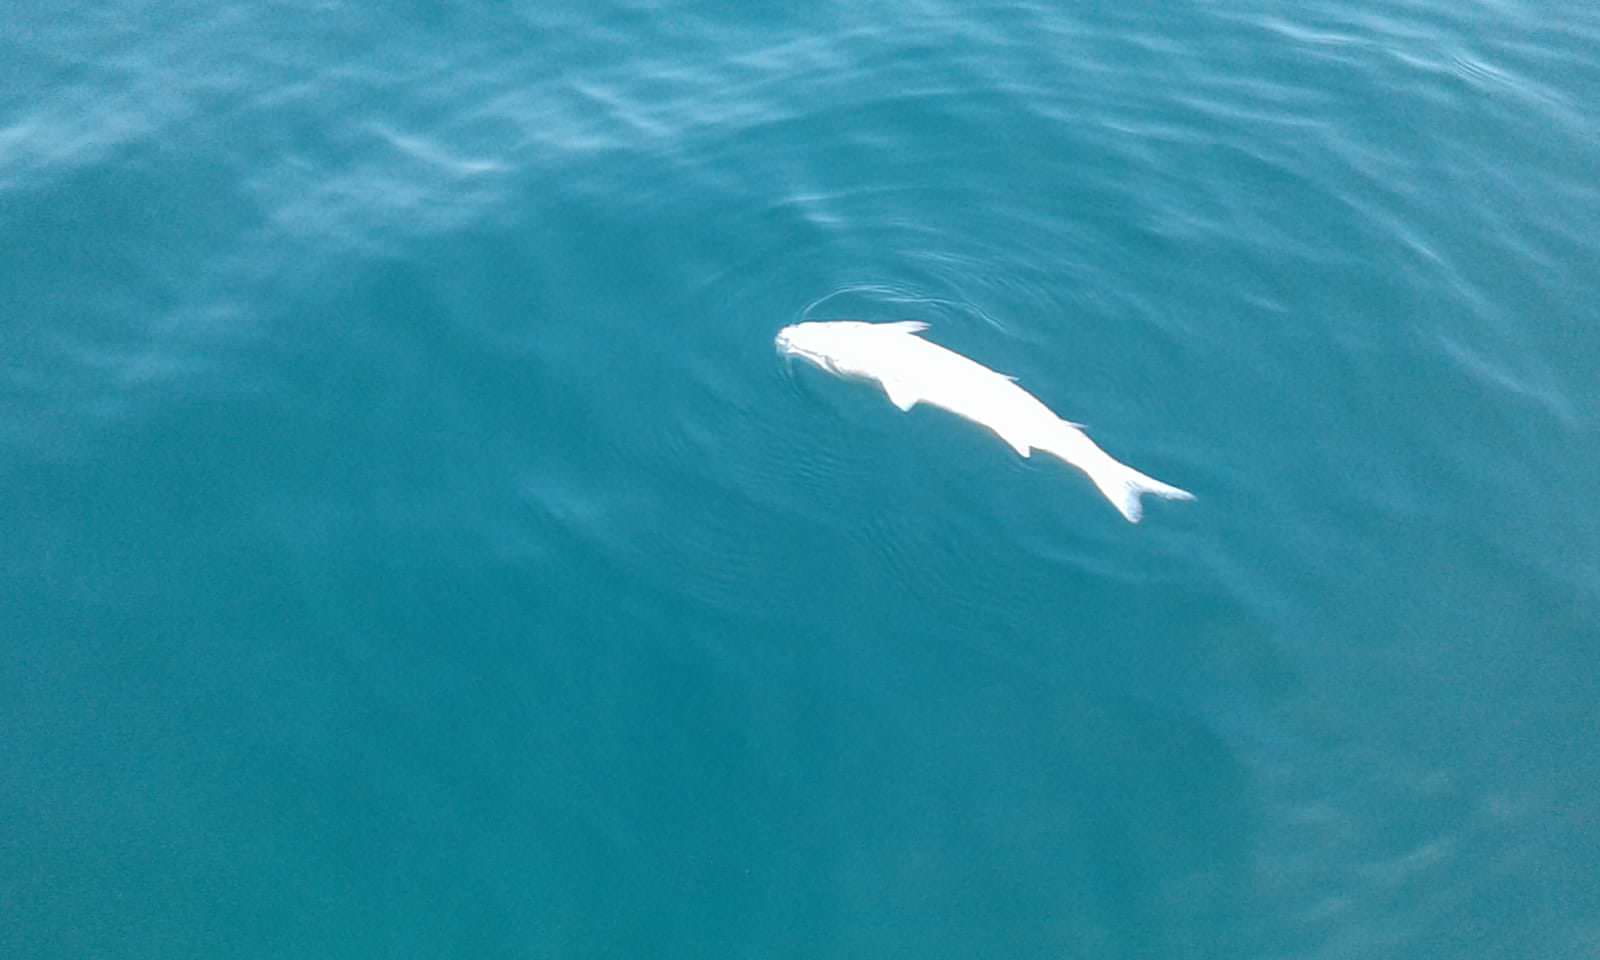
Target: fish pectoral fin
x: 901, y: 395
x: 1017, y: 443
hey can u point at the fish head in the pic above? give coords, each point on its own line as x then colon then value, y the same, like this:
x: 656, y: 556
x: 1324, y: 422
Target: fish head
x: 830, y: 344
x: 808, y: 341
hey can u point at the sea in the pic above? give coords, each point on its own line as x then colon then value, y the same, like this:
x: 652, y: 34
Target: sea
x: 412, y: 544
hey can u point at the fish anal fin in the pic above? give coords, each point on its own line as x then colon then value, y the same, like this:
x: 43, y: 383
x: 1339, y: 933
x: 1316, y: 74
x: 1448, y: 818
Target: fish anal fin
x: 901, y: 395
x: 1017, y: 443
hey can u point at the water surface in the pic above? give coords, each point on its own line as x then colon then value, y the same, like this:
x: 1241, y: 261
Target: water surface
x: 413, y: 545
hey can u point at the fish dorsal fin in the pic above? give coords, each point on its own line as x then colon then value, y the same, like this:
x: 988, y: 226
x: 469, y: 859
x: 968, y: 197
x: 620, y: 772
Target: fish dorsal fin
x: 905, y: 326
x: 902, y: 395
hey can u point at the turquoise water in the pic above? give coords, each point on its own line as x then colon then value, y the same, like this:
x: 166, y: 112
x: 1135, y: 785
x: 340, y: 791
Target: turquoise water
x: 414, y: 546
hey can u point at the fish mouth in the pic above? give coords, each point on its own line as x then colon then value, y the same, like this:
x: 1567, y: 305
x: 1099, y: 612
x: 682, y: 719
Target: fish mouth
x: 785, y: 350
x: 784, y: 341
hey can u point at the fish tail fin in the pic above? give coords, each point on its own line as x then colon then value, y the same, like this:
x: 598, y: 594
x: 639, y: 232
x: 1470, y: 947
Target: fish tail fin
x: 1123, y: 486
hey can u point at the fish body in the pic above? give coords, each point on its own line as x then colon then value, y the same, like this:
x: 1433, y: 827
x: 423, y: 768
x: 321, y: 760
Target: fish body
x: 913, y: 370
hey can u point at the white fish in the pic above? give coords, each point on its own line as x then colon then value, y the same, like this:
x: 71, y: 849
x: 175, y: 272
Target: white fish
x: 914, y: 371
